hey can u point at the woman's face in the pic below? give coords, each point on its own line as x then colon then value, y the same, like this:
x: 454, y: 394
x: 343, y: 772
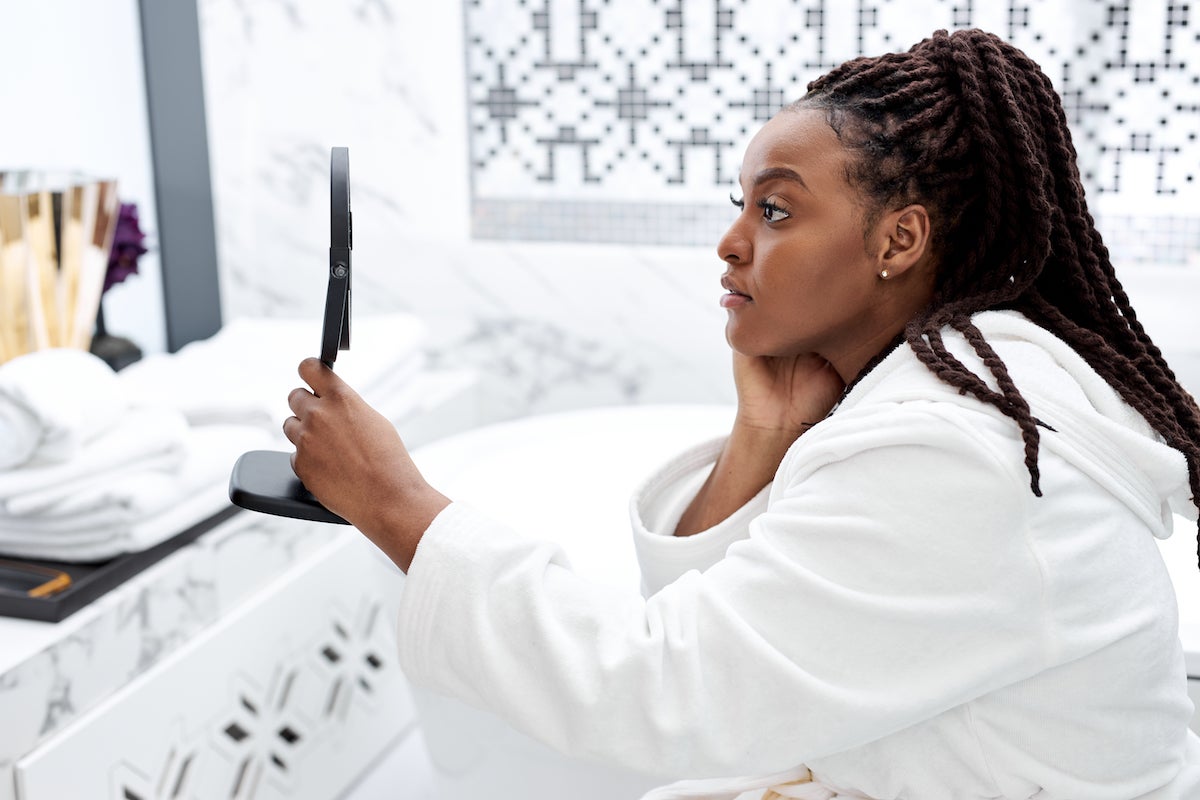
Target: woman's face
x: 802, y: 274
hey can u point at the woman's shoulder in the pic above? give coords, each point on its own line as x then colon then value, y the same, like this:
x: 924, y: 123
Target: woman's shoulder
x: 1063, y: 391
x: 1085, y: 426
x: 1042, y: 366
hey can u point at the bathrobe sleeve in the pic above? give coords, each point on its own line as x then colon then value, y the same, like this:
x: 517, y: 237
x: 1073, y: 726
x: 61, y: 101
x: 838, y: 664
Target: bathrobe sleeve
x: 657, y: 506
x: 889, y: 580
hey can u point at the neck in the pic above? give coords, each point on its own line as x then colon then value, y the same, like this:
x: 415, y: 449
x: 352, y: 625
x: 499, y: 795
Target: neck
x: 870, y: 349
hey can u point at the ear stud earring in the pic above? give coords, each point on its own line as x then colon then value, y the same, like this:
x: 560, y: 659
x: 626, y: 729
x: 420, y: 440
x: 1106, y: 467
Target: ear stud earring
x: 883, y: 273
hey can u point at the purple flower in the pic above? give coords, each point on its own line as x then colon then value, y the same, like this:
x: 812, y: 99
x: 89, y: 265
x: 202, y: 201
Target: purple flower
x: 126, y: 247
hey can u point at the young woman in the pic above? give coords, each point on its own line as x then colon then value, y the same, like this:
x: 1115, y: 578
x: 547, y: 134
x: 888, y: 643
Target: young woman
x: 923, y: 562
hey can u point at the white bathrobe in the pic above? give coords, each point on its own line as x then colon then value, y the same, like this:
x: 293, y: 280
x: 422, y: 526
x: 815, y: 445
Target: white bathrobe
x: 896, y: 612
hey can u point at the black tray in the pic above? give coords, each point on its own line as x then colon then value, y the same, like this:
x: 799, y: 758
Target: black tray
x: 90, y: 581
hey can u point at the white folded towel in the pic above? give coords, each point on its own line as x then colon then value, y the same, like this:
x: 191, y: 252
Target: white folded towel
x: 243, y: 373
x: 138, y: 509
x: 59, y: 500
x: 141, y: 434
x: 61, y: 528
x: 144, y: 487
x: 103, y: 543
x: 53, y: 402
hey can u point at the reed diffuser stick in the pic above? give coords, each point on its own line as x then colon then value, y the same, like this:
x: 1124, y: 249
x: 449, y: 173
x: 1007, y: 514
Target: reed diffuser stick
x: 14, y: 319
x: 95, y: 263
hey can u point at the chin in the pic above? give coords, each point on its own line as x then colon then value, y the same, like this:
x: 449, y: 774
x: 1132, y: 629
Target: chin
x: 754, y: 343
x: 753, y: 348
x: 739, y: 344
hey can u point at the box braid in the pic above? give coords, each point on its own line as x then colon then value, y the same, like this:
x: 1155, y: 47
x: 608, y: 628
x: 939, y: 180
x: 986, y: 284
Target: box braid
x: 971, y: 127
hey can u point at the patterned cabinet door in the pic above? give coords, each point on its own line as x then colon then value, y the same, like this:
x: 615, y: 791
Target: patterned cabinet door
x: 292, y: 695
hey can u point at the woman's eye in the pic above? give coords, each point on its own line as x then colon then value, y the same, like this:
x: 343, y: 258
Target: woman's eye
x: 773, y: 212
x: 738, y: 202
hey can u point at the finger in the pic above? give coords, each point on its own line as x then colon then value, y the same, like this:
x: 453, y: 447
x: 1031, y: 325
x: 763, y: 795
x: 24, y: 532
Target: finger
x: 291, y: 429
x: 300, y: 401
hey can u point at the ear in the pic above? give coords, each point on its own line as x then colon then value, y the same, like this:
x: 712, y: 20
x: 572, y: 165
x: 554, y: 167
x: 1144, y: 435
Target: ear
x: 903, y: 238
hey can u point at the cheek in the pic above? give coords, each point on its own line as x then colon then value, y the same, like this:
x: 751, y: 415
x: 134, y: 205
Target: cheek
x: 845, y: 267
x: 809, y: 274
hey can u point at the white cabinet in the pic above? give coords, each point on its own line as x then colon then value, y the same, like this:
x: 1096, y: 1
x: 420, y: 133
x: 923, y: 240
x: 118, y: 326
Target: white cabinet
x: 293, y: 695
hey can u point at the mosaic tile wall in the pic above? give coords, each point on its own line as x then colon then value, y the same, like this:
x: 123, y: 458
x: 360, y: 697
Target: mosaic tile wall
x: 624, y: 120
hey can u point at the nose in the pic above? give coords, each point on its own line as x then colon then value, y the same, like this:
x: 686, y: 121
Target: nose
x: 734, y: 246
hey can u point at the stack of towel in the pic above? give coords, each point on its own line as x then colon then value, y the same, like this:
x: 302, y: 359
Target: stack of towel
x: 88, y: 471
x: 243, y: 373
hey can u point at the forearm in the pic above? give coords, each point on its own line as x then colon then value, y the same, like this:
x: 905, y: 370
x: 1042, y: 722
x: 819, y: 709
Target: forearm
x: 746, y: 464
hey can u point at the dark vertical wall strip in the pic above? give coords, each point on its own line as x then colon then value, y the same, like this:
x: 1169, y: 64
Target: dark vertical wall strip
x: 182, y: 184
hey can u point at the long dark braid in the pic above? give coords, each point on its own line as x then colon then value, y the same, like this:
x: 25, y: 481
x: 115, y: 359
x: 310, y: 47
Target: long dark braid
x: 970, y: 126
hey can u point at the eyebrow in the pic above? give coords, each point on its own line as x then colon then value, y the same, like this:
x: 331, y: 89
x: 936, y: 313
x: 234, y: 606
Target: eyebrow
x: 780, y: 173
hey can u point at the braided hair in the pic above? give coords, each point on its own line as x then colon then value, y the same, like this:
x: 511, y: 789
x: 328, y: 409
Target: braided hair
x: 971, y: 127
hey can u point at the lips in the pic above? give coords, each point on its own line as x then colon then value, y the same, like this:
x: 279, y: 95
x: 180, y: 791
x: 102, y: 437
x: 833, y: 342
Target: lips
x: 735, y: 296
x: 728, y: 285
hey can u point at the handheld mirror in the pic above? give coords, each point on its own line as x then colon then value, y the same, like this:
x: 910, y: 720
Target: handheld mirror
x: 263, y: 480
